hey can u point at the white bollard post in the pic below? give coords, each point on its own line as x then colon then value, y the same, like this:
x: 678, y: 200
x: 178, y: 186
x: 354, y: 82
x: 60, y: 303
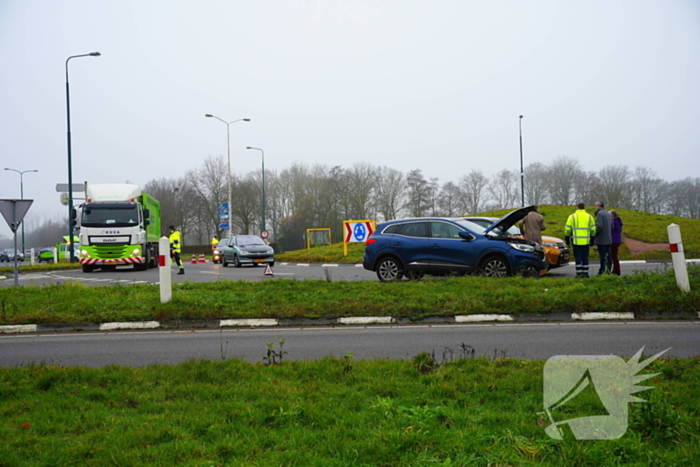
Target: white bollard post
x: 166, y: 281
x: 55, y: 255
x: 32, y: 255
x: 678, y: 256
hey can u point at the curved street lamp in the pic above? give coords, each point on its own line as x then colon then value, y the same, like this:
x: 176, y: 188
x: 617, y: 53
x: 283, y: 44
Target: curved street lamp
x: 21, y: 193
x: 263, y: 183
x: 228, y: 151
x: 70, y: 164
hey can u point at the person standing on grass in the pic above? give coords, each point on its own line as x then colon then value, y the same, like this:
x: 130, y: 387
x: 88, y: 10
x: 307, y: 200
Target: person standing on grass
x: 603, y: 236
x: 580, y: 228
x: 532, y: 225
x: 616, y: 241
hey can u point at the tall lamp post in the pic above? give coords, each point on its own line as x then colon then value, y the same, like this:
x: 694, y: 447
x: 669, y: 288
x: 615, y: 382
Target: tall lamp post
x: 70, y: 164
x: 263, y: 184
x: 228, y: 151
x: 21, y: 193
x: 522, y: 172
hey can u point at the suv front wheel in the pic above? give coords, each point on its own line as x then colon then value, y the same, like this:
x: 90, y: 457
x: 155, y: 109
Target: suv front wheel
x: 389, y: 269
x: 494, y: 266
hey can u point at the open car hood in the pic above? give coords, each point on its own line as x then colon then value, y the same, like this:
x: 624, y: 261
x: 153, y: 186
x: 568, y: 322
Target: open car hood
x: 510, y: 219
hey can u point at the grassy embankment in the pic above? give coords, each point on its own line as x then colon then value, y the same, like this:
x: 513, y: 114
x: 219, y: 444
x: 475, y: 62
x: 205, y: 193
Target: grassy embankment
x: 74, y: 302
x: 331, y: 412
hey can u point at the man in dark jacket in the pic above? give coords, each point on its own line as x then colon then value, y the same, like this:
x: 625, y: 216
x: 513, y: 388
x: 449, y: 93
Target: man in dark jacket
x: 603, y: 236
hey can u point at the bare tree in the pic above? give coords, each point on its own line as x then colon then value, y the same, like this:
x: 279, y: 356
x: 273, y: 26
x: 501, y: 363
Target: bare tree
x: 536, y: 183
x: 503, y: 188
x: 247, y: 203
x: 418, y: 199
x: 563, y: 173
x: 648, y: 191
x: 450, y: 201
x: 361, y: 179
x: 210, y: 184
x: 473, y: 186
x: 684, y: 198
x: 390, y: 188
x: 614, y: 186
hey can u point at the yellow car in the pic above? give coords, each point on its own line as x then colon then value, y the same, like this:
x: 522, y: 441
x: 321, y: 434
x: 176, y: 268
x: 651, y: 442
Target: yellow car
x: 556, y: 253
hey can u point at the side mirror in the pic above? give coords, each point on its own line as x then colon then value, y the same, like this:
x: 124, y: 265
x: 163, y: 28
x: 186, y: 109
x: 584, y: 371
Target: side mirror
x: 146, y: 222
x: 73, y: 215
x: 466, y: 235
x: 74, y: 222
x: 146, y: 213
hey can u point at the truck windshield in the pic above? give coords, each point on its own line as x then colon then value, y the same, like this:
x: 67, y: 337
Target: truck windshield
x: 110, y: 216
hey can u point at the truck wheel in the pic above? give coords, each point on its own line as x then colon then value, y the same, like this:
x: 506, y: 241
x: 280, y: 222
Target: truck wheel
x: 87, y: 268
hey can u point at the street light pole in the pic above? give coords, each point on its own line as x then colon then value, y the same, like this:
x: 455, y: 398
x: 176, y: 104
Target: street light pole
x: 70, y: 164
x: 522, y: 172
x: 228, y: 151
x: 21, y: 193
x: 263, y: 184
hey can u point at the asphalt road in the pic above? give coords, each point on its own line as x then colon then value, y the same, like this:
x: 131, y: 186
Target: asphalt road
x: 525, y: 341
x: 209, y: 272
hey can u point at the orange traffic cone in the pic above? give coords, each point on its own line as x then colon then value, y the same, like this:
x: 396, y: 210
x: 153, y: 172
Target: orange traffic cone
x: 194, y: 259
x: 201, y: 258
x: 268, y: 271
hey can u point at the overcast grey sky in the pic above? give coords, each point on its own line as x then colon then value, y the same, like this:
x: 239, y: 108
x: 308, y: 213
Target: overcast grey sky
x: 433, y: 85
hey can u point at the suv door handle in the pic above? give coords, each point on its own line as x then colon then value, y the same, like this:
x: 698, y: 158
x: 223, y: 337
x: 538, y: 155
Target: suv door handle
x: 397, y: 243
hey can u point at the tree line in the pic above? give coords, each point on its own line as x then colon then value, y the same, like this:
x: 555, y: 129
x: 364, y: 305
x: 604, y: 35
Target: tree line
x: 303, y: 196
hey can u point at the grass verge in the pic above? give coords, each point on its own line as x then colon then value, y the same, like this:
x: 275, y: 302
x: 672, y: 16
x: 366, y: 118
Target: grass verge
x: 74, y: 302
x: 330, y: 412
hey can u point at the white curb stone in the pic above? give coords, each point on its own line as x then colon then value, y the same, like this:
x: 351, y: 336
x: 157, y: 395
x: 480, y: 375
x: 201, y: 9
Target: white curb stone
x: 481, y: 318
x: 366, y: 320
x: 134, y: 325
x: 593, y: 316
x: 16, y: 328
x: 249, y: 322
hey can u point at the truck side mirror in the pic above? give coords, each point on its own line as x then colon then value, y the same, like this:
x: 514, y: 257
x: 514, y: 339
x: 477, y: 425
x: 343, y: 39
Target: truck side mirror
x: 146, y: 213
x: 74, y: 222
x: 73, y: 215
x: 146, y: 222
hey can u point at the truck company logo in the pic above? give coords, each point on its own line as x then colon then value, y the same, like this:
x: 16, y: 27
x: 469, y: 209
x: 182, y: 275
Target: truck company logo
x: 602, y: 386
x: 111, y: 232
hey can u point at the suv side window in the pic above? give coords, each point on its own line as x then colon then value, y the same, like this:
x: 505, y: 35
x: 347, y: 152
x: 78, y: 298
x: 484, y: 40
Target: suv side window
x: 414, y: 229
x: 392, y: 229
x: 444, y: 230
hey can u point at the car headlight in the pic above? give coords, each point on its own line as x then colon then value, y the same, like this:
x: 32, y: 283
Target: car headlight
x: 271, y: 251
x: 217, y: 252
x: 550, y: 244
x: 522, y: 247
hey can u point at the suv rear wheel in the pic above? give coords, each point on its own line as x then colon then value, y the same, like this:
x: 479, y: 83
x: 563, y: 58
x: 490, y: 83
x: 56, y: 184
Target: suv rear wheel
x: 389, y: 269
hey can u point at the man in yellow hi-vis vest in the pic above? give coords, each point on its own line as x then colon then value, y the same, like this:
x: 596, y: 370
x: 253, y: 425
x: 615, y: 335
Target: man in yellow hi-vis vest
x: 176, y: 248
x: 580, y: 227
x: 214, y: 243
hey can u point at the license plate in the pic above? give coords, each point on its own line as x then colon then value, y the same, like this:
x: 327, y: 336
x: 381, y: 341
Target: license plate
x: 110, y: 262
x: 258, y: 260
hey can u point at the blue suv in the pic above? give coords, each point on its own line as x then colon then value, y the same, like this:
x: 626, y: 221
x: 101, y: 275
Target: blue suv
x: 441, y: 245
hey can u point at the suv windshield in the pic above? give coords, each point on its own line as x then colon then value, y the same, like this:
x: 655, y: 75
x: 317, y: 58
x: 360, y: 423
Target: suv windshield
x: 110, y: 216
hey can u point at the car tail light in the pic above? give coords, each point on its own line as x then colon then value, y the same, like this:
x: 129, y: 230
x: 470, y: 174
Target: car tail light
x: 371, y: 240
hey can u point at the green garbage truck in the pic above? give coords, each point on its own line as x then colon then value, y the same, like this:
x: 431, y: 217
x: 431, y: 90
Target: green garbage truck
x: 118, y: 225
